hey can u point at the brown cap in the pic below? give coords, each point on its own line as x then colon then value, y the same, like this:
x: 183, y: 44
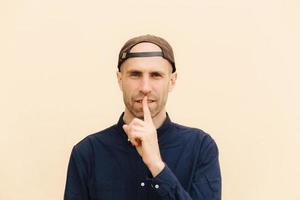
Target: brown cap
x: 166, y: 53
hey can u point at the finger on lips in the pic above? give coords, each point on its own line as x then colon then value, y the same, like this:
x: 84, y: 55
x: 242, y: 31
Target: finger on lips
x: 134, y: 129
x: 147, y: 113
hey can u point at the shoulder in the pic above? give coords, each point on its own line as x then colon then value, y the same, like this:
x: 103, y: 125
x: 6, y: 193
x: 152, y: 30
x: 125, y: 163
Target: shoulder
x: 201, y: 141
x: 196, y: 138
x: 86, y: 146
x: 192, y: 133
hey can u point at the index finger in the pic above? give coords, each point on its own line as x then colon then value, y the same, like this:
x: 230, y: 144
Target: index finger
x: 147, y: 113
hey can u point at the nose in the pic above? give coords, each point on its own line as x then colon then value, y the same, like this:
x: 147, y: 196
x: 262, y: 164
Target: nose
x: 145, y: 85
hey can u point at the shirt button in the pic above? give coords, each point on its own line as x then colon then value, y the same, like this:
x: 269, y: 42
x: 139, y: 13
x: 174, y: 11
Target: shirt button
x: 142, y: 184
x: 156, y: 186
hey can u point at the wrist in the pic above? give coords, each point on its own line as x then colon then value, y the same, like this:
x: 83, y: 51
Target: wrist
x: 156, y: 167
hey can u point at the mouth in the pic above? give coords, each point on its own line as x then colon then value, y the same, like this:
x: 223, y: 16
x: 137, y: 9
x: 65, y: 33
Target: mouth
x: 141, y: 101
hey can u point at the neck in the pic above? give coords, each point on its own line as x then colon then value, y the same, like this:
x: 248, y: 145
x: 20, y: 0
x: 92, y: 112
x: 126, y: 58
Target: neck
x: 158, y: 120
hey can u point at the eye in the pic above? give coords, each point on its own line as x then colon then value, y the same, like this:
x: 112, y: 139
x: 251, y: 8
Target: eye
x: 134, y: 74
x: 156, y: 75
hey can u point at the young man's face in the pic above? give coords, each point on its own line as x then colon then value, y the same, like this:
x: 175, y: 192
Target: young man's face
x: 146, y: 76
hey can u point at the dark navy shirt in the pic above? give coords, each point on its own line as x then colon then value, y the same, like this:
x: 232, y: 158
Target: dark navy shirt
x: 105, y: 166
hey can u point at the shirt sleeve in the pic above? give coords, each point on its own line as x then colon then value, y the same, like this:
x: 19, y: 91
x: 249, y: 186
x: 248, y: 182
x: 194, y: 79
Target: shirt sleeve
x: 206, y: 182
x: 76, y: 187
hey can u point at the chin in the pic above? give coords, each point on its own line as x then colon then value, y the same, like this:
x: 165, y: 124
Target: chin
x: 138, y: 114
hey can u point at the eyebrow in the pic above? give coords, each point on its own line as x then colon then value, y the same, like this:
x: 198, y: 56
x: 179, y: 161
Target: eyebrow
x: 133, y: 71
x: 140, y: 72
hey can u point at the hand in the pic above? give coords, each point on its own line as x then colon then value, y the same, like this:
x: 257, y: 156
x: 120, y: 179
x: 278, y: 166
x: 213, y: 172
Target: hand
x: 143, y: 136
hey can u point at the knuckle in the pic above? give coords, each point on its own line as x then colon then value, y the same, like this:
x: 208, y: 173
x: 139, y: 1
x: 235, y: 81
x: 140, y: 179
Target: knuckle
x: 135, y: 120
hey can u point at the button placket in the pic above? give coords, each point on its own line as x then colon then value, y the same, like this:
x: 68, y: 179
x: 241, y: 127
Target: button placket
x: 156, y: 186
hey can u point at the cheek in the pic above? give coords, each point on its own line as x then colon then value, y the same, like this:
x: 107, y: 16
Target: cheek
x: 126, y: 86
x: 162, y: 90
x: 128, y: 89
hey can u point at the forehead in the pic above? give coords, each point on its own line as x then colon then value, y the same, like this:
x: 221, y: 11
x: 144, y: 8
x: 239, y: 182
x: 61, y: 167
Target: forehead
x: 156, y: 63
x: 145, y: 47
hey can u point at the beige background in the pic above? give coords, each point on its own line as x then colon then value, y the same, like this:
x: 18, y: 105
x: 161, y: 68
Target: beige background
x: 238, y: 66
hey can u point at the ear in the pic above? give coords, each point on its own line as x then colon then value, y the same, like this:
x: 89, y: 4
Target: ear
x: 173, y: 81
x: 119, y: 77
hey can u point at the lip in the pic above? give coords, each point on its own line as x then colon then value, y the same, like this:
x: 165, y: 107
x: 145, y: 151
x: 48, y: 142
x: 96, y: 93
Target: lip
x: 141, y: 101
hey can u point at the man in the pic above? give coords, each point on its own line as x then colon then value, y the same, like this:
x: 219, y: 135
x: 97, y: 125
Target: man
x: 145, y: 155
